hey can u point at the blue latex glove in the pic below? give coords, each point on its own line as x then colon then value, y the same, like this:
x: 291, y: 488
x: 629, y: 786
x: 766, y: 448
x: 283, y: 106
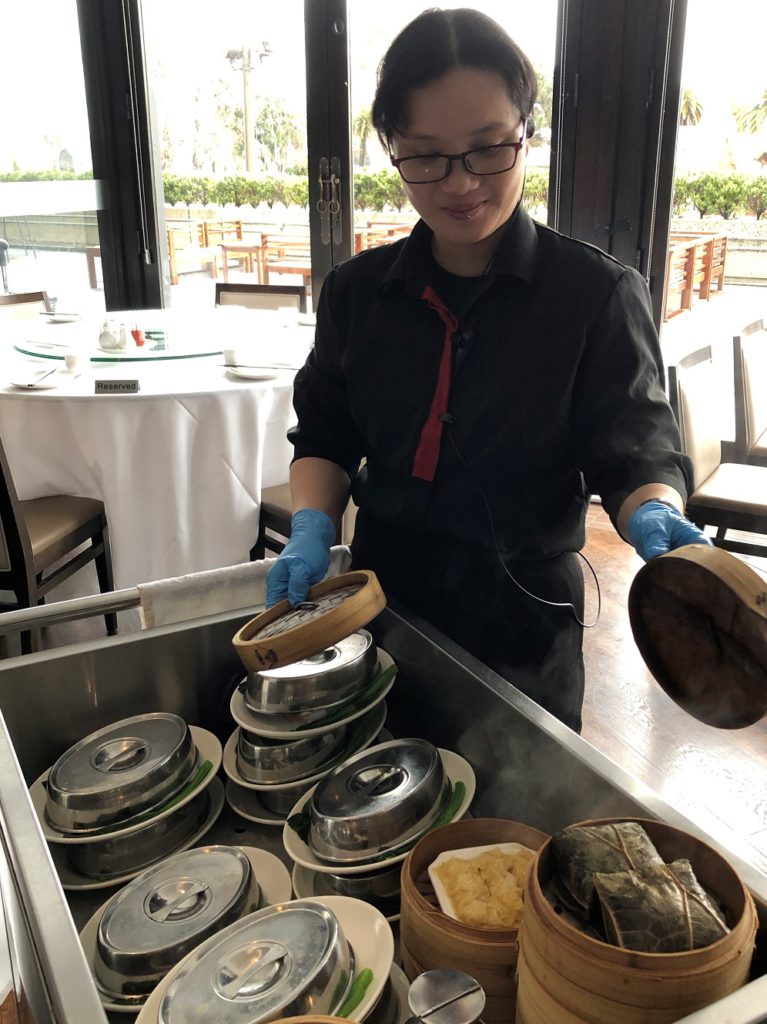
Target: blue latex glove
x: 655, y: 528
x: 305, y: 558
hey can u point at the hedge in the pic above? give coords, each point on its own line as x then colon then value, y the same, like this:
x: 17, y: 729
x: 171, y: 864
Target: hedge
x: 724, y: 194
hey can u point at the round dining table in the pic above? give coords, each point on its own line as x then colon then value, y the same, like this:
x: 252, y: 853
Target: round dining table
x: 179, y: 463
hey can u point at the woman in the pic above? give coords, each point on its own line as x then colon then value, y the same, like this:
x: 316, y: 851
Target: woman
x: 490, y: 372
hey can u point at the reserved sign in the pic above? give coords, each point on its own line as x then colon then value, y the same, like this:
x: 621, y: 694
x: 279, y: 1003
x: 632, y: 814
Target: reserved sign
x: 116, y: 387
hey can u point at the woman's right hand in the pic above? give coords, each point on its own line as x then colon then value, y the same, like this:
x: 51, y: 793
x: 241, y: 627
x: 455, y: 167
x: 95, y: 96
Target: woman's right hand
x: 305, y: 558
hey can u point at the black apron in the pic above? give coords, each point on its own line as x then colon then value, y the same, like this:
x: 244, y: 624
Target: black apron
x: 464, y: 592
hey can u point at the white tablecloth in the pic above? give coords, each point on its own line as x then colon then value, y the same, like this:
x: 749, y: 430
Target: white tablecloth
x: 180, y: 465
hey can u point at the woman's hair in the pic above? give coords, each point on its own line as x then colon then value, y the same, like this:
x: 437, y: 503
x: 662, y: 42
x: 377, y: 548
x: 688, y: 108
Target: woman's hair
x: 437, y: 42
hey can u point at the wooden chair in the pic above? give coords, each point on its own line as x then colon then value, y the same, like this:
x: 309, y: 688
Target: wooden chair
x: 288, y: 254
x: 39, y: 542
x: 187, y: 250
x: 27, y: 303
x: 750, y: 366
x: 726, y: 495
x: 262, y: 296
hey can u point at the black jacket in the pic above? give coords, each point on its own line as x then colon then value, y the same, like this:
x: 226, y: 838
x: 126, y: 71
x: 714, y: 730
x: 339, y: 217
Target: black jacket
x: 555, y: 390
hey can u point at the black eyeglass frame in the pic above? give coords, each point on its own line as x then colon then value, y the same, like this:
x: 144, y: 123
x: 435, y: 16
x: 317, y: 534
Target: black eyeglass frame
x: 450, y: 157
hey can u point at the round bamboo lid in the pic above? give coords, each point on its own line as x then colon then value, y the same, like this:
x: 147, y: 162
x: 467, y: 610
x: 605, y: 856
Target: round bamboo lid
x: 333, y: 610
x: 699, y: 619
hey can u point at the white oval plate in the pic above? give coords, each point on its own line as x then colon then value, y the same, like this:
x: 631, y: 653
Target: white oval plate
x: 368, y: 933
x: 41, y: 383
x: 458, y: 770
x: 272, y: 876
x: 247, y: 804
x: 72, y: 880
x: 303, y: 887
x: 209, y: 749
x: 279, y: 727
x: 401, y: 986
x: 244, y: 374
x: 232, y: 770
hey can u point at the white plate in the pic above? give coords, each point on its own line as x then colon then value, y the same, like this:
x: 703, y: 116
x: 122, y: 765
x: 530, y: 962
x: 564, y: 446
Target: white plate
x: 210, y: 750
x: 401, y: 986
x: 62, y: 318
x: 31, y: 383
x: 72, y: 880
x: 445, y: 903
x: 282, y: 727
x: 458, y: 770
x: 368, y: 933
x: 232, y: 770
x: 242, y: 373
x: 268, y: 870
x: 247, y: 804
x: 303, y: 887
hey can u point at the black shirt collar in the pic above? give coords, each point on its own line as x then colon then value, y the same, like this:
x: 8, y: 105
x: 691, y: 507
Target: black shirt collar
x: 516, y: 253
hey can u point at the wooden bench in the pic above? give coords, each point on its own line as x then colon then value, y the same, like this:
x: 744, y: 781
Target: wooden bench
x: 288, y: 254
x: 695, y: 263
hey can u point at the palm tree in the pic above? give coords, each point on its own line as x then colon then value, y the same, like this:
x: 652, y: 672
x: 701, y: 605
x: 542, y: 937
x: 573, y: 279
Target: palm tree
x: 362, y: 126
x: 751, y: 120
x: 691, y: 109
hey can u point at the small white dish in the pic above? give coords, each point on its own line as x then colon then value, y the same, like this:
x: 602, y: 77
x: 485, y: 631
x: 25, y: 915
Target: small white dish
x: 209, y: 749
x: 38, y: 380
x: 401, y: 985
x: 62, y: 318
x: 247, y: 804
x: 445, y: 903
x: 305, y: 889
x: 243, y: 373
x: 367, y: 931
x: 282, y: 727
x: 271, y: 874
x: 232, y: 769
x: 73, y: 881
x: 458, y: 770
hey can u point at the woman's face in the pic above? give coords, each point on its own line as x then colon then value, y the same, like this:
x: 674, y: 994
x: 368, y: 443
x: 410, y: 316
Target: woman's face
x: 466, y: 109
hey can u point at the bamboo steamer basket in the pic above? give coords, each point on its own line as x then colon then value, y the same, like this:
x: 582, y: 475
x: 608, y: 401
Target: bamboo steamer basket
x: 567, y: 977
x: 430, y: 939
x: 332, y: 610
x: 699, y: 619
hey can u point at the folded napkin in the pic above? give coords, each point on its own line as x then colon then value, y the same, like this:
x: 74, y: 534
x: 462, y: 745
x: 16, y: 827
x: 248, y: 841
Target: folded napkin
x: 218, y: 590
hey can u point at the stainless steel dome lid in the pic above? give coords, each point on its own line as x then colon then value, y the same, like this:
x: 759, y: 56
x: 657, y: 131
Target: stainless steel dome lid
x: 159, y: 917
x: 280, y: 962
x: 263, y: 760
x: 118, y: 772
x: 323, y: 680
x: 377, y: 801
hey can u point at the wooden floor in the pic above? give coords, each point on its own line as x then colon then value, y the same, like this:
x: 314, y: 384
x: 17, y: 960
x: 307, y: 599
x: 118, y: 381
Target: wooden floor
x: 717, y: 778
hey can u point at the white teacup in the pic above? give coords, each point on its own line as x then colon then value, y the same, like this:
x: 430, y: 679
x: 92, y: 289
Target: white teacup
x: 73, y: 361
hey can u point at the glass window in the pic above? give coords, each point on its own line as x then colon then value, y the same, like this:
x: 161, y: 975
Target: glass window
x: 48, y: 198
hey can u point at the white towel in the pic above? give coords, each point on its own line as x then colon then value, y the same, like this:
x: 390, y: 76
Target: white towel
x: 217, y: 590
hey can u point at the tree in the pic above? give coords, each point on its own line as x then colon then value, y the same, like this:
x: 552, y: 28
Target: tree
x: 277, y: 134
x: 751, y: 119
x: 543, y: 107
x: 362, y: 127
x: 691, y: 110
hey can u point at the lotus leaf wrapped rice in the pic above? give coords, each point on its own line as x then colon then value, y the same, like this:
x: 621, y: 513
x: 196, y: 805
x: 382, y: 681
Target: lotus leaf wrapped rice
x: 580, y: 851
x: 659, y: 909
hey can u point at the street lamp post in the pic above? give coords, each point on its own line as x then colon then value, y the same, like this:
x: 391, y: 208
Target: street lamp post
x: 244, y: 56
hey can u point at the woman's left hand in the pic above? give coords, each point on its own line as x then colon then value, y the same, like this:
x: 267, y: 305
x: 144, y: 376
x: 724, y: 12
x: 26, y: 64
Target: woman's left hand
x: 655, y: 528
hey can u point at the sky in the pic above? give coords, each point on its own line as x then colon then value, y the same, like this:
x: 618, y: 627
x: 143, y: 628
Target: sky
x: 44, y: 102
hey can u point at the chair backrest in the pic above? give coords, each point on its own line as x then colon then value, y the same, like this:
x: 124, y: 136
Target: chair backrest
x: 25, y: 305
x: 750, y: 373
x: 262, y: 296
x: 15, y: 547
x: 694, y: 396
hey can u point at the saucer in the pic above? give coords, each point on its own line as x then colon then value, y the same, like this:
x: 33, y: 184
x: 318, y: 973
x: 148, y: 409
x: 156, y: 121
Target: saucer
x: 209, y: 749
x: 457, y: 768
x: 243, y: 373
x: 268, y: 870
x: 73, y: 881
x: 279, y: 727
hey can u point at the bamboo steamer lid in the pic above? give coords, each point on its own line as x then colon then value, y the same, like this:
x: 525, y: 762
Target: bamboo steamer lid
x: 333, y: 610
x: 699, y: 619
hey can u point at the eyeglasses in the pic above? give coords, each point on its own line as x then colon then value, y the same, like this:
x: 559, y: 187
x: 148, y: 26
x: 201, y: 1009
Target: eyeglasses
x: 423, y: 170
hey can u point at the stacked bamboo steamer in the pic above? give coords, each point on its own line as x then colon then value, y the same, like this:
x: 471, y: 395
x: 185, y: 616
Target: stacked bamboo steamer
x: 567, y: 977
x: 430, y: 939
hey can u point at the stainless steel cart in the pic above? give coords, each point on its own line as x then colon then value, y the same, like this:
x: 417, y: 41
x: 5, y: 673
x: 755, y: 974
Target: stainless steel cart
x: 528, y: 765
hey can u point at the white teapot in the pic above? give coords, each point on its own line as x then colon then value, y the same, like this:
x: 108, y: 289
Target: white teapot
x: 112, y: 339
